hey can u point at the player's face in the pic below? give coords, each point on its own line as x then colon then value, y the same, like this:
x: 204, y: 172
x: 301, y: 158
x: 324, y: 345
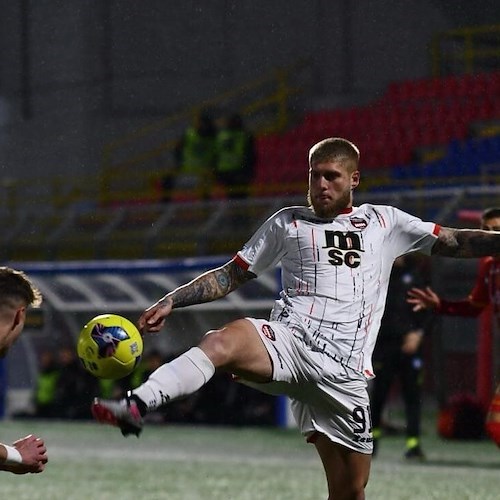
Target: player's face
x: 330, y: 187
x: 492, y: 224
x: 11, y: 326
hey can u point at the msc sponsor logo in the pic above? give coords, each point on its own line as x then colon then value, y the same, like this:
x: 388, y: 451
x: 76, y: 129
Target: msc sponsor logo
x: 343, y: 248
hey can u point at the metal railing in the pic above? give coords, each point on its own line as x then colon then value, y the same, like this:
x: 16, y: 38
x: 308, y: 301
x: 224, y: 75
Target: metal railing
x: 175, y: 230
x: 466, y: 50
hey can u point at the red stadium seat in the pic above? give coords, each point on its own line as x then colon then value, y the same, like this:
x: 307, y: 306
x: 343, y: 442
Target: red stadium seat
x: 411, y: 114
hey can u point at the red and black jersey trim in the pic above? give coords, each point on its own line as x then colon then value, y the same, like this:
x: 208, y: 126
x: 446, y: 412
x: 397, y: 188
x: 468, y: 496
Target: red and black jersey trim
x: 241, y: 263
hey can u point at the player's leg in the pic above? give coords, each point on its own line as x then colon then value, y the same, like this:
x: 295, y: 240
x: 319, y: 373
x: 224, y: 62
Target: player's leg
x: 346, y: 470
x: 411, y: 386
x: 385, y: 366
x: 334, y: 413
x: 237, y: 347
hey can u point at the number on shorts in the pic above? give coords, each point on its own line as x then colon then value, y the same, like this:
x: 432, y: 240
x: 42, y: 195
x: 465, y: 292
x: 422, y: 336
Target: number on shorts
x: 363, y: 418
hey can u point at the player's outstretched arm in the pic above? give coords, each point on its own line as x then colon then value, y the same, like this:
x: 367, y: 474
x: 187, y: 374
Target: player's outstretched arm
x: 466, y: 243
x: 26, y: 455
x: 207, y: 287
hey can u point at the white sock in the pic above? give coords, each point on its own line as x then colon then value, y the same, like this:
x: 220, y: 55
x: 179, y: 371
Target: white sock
x: 178, y: 378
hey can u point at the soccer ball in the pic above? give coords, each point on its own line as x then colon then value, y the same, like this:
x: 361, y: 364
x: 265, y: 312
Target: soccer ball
x: 110, y: 346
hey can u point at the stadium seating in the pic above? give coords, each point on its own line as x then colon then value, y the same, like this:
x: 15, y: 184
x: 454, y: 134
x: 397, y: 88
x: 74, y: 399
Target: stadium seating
x: 411, y: 116
x: 471, y: 158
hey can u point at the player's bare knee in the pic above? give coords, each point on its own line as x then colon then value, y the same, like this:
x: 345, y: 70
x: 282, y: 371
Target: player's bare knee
x: 218, y: 346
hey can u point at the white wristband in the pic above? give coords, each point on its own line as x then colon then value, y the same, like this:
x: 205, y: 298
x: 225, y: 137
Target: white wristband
x: 13, y: 456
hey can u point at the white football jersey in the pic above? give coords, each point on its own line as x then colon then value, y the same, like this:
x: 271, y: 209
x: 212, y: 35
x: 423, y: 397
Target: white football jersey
x: 335, y: 272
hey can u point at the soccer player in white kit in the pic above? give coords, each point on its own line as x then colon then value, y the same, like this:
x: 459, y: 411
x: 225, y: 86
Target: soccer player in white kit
x: 316, y: 347
x: 27, y: 455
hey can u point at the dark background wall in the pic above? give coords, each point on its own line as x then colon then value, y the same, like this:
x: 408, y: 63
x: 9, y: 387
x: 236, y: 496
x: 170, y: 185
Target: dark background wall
x: 74, y: 74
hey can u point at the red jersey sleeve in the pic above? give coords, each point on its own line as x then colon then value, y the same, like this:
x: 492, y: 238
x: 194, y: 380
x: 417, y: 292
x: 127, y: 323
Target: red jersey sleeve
x: 477, y: 300
x: 458, y: 308
x: 480, y: 294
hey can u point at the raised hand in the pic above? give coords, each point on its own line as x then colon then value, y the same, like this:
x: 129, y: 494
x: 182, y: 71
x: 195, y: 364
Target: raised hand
x: 423, y: 298
x: 152, y: 319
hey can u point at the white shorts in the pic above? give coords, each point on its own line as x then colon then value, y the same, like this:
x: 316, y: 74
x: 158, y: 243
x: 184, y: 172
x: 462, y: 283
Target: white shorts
x: 327, y: 397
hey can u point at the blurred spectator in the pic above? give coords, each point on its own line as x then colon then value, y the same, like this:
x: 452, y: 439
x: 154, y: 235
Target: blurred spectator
x: 211, y: 405
x: 107, y: 388
x: 195, y: 157
x: 398, y: 353
x: 46, y: 386
x: 76, y: 387
x: 247, y: 406
x: 236, y: 157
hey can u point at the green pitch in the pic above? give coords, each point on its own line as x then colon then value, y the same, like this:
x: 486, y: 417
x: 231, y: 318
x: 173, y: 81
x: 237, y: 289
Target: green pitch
x: 91, y: 461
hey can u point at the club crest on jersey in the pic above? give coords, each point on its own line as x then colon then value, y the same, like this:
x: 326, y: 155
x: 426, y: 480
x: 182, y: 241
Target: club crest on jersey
x: 268, y: 332
x: 358, y: 223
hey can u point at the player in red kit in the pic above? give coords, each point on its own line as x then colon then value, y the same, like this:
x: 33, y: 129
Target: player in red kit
x: 486, y: 291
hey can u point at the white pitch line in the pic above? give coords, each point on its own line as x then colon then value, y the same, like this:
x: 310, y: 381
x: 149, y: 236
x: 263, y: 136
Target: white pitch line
x: 84, y: 452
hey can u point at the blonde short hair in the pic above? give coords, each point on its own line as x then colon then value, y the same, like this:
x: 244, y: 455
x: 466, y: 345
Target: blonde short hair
x: 15, y: 286
x: 335, y: 149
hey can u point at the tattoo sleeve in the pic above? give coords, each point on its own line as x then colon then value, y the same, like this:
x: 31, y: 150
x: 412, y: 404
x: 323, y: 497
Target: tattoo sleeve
x: 466, y: 243
x: 211, y: 285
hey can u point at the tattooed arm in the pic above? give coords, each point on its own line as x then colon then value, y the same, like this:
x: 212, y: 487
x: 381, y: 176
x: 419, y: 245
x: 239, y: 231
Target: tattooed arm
x: 211, y: 285
x: 207, y: 287
x: 466, y: 243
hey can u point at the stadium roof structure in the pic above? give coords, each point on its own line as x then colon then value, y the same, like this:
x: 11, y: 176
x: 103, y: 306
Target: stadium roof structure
x: 134, y: 285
